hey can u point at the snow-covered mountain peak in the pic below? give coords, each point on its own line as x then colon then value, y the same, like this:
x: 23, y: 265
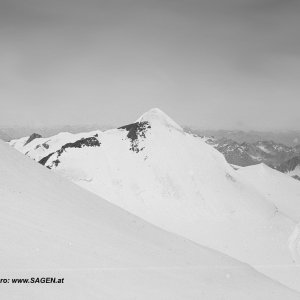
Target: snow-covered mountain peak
x: 157, y: 116
x: 178, y: 182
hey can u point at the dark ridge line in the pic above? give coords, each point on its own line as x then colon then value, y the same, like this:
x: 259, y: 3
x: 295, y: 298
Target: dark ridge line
x: 84, y: 142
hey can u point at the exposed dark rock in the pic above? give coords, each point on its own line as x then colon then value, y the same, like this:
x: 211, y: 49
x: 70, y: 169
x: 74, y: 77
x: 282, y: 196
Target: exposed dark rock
x: 56, y: 162
x: 33, y: 137
x: 44, y: 160
x: 289, y: 165
x: 84, y: 142
x: 135, y: 131
x: 45, y: 145
x: 296, y: 177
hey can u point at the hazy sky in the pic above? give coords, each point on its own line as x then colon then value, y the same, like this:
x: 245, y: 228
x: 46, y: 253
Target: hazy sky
x: 207, y: 63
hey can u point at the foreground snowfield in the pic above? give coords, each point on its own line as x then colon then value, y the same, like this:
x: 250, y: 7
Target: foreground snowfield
x: 51, y: 227
x: 176, y: 181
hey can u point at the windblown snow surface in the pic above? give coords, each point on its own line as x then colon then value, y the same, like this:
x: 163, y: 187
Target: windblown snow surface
x: 155, y: 170
x: 51, y: 227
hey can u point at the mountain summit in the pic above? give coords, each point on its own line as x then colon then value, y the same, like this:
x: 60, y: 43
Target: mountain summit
x: 157, y: 116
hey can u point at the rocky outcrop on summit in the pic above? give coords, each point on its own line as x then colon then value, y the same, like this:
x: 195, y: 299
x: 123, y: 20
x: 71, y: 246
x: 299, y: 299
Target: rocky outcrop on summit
x: 136, y: 131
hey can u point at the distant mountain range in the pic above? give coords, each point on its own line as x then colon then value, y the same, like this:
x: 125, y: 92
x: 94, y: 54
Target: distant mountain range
x: 289, y: 137
x: 291, y: 167
x: 276, y: 155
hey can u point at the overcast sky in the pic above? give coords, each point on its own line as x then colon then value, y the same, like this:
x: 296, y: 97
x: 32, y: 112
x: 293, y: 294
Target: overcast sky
x: 231, y: 64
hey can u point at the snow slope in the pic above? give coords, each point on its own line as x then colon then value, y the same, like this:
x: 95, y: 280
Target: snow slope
x: 174, y: 180
x: 50, y: 227
x: 278, y: 188
x: 284, y: 192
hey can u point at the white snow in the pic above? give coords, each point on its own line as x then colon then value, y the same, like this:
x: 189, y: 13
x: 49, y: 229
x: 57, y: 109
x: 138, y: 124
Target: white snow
x: 19, y: 143
x: 284, y: 192
x: 235, y: 167
x: 157, y: 116
x: 294, y: 244
x: 52, y: 228
x: 183, y: 185
x: 278, y: 188
x: 264, y: 149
